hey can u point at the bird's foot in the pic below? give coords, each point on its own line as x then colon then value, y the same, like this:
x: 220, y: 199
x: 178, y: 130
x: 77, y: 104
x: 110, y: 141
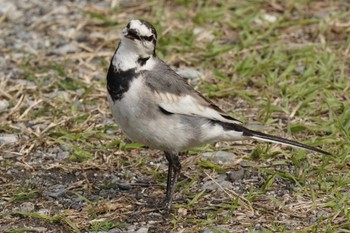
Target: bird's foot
x: 164, y: 206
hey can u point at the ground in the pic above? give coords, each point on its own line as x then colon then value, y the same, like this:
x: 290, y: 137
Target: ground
x: 282, y: 67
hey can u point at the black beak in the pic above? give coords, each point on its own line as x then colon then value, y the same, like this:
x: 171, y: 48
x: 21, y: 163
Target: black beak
x: 132, y: 34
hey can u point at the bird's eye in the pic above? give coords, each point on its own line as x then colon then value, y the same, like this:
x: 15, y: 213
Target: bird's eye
x: 148, y: 38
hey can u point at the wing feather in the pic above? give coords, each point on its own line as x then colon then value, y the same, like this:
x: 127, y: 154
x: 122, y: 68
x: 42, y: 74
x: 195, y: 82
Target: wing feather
x: 175, y: 95
x: 189, y: 105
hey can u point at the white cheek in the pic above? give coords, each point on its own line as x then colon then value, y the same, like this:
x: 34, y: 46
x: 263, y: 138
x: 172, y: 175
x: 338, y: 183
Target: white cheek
x: 149, y: 45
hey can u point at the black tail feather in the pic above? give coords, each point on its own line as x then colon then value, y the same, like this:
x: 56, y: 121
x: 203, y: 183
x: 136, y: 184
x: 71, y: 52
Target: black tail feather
x: 270, y: 138
x: 266, y: 137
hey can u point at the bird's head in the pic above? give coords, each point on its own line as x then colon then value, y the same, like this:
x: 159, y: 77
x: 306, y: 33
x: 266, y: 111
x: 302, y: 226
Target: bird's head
x: 141, y: 36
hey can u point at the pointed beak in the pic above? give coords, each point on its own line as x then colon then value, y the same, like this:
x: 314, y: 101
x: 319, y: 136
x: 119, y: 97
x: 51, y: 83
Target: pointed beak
x: 131, y: 34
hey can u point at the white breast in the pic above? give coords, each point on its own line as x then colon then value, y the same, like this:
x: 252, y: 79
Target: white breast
x: 141, y: 121
x: 129, y: 107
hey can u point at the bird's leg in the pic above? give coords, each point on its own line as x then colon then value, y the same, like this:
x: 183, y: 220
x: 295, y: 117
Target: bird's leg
x: 174, y: 168
x: 169, y: 179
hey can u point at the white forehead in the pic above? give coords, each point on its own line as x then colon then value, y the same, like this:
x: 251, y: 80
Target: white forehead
x: 140, y: 27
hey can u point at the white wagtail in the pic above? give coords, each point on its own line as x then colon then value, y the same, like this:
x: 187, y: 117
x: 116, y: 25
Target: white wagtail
x: 154, y: 106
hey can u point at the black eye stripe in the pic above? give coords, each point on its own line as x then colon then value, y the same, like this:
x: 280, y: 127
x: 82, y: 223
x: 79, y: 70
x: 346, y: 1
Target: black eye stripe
x: 148, y: 38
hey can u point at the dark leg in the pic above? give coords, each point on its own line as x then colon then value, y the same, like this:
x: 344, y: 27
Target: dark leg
x: 174, y: 168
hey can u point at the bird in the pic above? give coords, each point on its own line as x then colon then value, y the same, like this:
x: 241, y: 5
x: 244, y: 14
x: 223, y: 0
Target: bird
x: 156, y: 107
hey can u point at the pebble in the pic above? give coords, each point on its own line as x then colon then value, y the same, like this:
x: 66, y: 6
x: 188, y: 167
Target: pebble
x: 135, y: 229
x: 124, y: 3
x: 64, y: 95
x: 2, y: 205
x: 4, y: 104
x: 27, y: 207
x: 299, y: 69
x: 40, y: 229
x: 235, y: 175
x: 220, y: 182
x: 65, y: 147
x: 203, y: 34
x: 65, y: 49
x: 63, y: 155
x: 115, y: 230
x: 27, y: 84
x: 124, y: 186
x: 12, y: 171
x: 107, y: 121
x: 56, y: 191
x: 189, y: 73
x: 217, y: 229
x: 9, y: 9
x: 265, y: 19
x: 322, y: 14
x: 43, y: 211
x: 221, y: 157
x: 142, y: 230
x: 108, y: 193
x: 8, y: 138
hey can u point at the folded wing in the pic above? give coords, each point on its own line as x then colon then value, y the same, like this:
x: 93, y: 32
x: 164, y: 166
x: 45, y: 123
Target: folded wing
x: 174, y: 95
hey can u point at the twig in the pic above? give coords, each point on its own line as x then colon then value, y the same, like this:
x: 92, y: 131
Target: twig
x: 248, y: 204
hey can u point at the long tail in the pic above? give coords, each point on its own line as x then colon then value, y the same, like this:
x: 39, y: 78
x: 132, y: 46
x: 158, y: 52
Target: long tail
x: 248, y: 133
x: 269, y: 138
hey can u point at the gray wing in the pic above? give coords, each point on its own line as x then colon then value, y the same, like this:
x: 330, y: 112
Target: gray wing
x: 175, y: 95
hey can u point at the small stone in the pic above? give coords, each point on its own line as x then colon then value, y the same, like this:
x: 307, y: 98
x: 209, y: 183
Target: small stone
x: 203, y: 34
x: 27, y: 207
x: 65, y: 147
x: 66, y: 49
x: 322, y: 213
x: 4, y: 104
x: 124, y: 186
x: 49, y: 156
x: 265, y: 19
x: 57, y: 192
x: 27, y: 84
x: 115, y: 230
x: 221, y: 157
x: 124, y: 3
x: 235, y: 175
x: 53, y: 150
x: 115, y: 179
x: 10, y: 10
x: 322, y: 14
x: 299, y: 69
x: 43, y: 211
x: 99, y: 76
x: 2, y: 205
x: 108, y: 193
x: 182, y: 211
x: 62, y: 155
x: 219, y: 183
x: 8, y: 138
x: 41, y: 126
x: 64, y: 95
x: 142, y: 230
x: 218, y: 229
x: 82, y: 38
x: 139, y: 195
x: 207, y: 230
x: 131, y: 229
x: 189, y: 73
x: 40, y: 229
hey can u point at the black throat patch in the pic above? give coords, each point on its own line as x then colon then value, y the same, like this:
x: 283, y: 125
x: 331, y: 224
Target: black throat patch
x: 118, y: 82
